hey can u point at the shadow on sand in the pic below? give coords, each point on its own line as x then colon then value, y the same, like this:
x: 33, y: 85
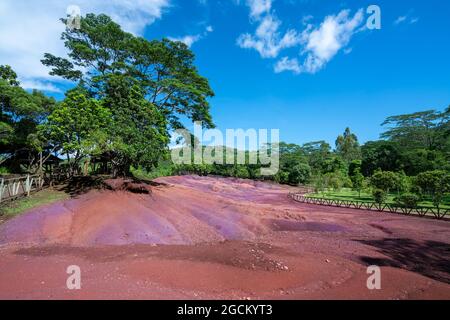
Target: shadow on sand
x: 80, y: 185
x: 429, y: 258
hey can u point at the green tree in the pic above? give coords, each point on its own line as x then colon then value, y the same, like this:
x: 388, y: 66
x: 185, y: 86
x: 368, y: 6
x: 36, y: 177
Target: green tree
x: 20, y: 114
x: 138, y: 131
x: 424, y: 129
x: 334, y: 181
x: 75, y: 128
x: 8, y: 75
x: 379, y: 196
x: 164, y: 70
x: 317, y: 153
x: 300, y: 174
x: 381, y: 155
x: 347, y: 146
x: 319, y: 183
x: 435, y: 183
x: 358, y: 182
x: 146, y: 85
x: 408, y: 200
x: 385, y: 180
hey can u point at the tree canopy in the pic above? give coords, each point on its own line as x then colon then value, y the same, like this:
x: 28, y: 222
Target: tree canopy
x: 146, y: 87
x: 164, y: 70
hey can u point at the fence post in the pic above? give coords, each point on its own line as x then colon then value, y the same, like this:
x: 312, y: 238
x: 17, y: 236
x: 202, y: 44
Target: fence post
x: 2, y: 189
x: 28, y: 186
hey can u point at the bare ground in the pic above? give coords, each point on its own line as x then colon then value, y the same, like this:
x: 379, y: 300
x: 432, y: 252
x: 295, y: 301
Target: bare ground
x: 216, y: 238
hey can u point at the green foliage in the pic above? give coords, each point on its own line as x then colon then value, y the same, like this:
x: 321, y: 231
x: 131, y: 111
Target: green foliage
x: 418, y: 130
x: 333, y: 165
x: 354, y: 167
x: 334, y: 181
x: 316, y: 154
x: 380, y: 155
x: 138, y: 132
x: 146, y: 86
x: 20, y: 114
x: 282, y: 177
x: 300, y: 174
x: 408, y: 200
x: 385, y: 180
x: 358, y: 181
x: 379, y: 196
x: 319, y: 183
x: 435, y: 183
x: 8, y: 75
x: 164, y: 169
x: 4, y: 171
x: 164, y: 69
x: 347, y: 146
x: 76, y: 125
x: 420, y: 160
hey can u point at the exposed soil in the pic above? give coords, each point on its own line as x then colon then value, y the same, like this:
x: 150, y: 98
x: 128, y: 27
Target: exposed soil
x: 214, y: 238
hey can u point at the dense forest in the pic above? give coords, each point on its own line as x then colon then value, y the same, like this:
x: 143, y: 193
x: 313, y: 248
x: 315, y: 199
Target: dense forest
x: 130, y: 93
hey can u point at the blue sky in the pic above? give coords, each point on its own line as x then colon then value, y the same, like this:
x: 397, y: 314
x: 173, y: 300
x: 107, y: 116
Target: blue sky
x: 306, y: 67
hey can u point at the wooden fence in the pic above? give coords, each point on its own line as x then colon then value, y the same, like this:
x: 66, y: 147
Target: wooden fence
x: 391, y: 208
x: 11, y: 189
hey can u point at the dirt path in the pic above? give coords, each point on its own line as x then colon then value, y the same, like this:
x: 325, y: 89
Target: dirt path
x: 214, y: 238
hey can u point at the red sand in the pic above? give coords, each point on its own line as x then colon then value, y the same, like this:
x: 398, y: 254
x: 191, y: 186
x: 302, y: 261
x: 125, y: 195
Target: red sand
x: 197, y: 237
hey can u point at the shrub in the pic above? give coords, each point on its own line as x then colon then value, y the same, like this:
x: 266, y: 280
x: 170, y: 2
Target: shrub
x: 408, y: 200
x: 435, y: 183
x: 282, y: 177
x: 385, y: 180
x: 333, y: 181
x: 379, y: 196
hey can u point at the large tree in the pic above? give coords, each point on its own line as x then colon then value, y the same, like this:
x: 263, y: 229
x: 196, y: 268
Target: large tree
x: 383, y: 155
x: 20, y: 114
x: 148, y: 86
x: 164, y: 69
x: 347, y: 146
x: 427, y: 129
x: 138, y: 131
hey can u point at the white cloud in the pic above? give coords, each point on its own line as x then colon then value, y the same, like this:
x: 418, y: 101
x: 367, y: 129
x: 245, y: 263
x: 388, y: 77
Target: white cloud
x: 39, y: 85
x: 267, y: 39
x: 400, y: 19
x: 317, y: 45
x: 348, y: 50
x: 287, y: 64
x: 406, y: 19
x: 323, y: 43
x: 28, y: 29
x: 189, y: 40
x: 259, y: 7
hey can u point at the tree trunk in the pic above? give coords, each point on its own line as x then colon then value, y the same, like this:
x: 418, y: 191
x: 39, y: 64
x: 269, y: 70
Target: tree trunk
x: 121, y: 169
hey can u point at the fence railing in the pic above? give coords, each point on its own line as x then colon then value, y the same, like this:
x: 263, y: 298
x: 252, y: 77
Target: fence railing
x: 387, y: 207
x: 14, y: 188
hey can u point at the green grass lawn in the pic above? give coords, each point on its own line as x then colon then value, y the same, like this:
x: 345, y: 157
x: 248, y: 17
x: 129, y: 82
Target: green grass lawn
x: 47, y: 196
x: 351, y: 195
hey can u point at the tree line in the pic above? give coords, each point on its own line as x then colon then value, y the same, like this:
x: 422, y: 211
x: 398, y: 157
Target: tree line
x: 411, y: 160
